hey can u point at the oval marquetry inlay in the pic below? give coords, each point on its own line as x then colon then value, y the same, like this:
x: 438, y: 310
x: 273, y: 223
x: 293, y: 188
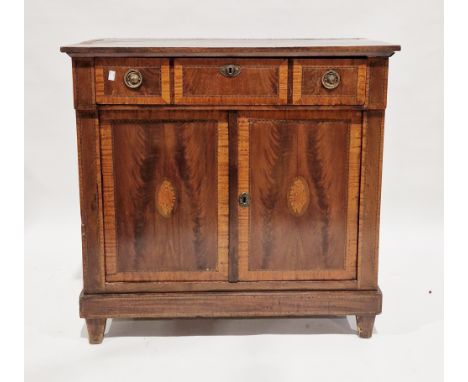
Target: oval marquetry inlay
x: 166, y: 198
x: 298, y: 196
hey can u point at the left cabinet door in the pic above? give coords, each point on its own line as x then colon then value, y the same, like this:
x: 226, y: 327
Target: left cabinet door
x: 165, y: 195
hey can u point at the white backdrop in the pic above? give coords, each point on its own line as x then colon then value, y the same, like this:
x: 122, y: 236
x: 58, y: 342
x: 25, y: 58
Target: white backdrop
x: 408, y: 342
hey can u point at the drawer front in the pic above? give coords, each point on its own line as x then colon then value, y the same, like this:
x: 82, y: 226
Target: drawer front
x: 132, y: 81
x: 329, y: 81
x: 230, y: 81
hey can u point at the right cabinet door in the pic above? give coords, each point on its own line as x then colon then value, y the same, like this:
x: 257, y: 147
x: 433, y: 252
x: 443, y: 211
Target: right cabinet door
x: 301, y: 173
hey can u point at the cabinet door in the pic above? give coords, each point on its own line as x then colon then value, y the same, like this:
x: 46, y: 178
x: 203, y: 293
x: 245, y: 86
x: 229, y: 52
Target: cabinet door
x: 165, y: 187
x: 301, y: 170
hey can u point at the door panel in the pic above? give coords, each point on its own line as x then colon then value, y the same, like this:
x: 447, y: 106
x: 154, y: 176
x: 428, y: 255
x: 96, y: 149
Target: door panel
x: 302, y: 172
x: 165, y: 179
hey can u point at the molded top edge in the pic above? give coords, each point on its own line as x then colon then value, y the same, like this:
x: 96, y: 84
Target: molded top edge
x: 231, y: 47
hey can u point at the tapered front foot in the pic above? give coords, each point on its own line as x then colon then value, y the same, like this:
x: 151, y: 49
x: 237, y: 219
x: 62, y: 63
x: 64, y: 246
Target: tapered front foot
x: 365, y: 325
x: 96, y: 328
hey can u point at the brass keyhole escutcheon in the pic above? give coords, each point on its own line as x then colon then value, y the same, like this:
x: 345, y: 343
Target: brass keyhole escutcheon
x: 244, y: 199
x: 230, y: 70
x: 331, y: 79
x: 133, y: 78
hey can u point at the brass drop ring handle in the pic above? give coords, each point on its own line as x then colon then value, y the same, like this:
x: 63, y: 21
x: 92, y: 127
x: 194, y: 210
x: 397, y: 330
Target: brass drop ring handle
x: 331, y: 79
x: 230, y: 70
x: 133, y: 78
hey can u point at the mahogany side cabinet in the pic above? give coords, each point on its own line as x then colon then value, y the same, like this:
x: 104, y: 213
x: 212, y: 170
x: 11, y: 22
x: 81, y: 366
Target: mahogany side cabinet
x: 229, y: 178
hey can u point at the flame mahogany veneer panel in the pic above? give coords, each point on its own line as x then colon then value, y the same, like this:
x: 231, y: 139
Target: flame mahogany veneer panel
x: 165, y: 199
x: 302, y: 171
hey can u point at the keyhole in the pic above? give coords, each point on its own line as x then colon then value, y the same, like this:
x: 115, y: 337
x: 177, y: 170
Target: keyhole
x: 230, y: 70
x: 244, y: 199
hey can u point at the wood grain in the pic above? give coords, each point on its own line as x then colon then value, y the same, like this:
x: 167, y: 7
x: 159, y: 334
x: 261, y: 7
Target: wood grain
x: 233, y: 108
x: 190, y: 243
x: 108, y: 196
x: 231, y: 304
x: 83, y: 84
x: 348, y: 47
x: 259, y: 82
x: 96, y: 328
x: 274, y: 150
x: 369, y: 209
x: 377, y: 83
x: 308, y: 88
x: 92, y: 235
x: 233, y: 192
x: 155, y: 88
x: 235, y: 285
x: 365, y: 325
x: 243, y: 218
x: 223, y: 197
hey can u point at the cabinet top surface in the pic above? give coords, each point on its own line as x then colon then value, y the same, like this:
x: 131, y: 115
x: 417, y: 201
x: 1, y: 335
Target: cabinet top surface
x: 231, y: 47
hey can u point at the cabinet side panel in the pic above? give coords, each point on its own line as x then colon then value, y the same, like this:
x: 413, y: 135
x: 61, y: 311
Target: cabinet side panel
x: 369, y: 211
x: 91, y: 201
x: 83, y: 83
x: 377, y: 83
